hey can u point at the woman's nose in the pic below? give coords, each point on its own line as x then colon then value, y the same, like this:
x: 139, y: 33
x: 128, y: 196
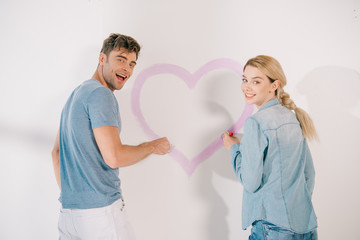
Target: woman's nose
x: 246, y: 86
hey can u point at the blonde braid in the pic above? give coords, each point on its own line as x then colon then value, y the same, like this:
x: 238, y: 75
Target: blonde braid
x: 306, y: 123
x: 284, y: 99
x: 273, y: 70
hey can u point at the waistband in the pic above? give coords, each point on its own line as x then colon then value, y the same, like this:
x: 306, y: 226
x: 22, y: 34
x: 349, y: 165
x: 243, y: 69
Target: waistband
x: 118, y: 204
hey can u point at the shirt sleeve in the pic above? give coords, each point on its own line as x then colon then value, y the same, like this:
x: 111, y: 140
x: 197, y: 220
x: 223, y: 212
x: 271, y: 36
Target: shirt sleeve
x: 309, y: 170
x: 249, y: 157
x: 102, y: 108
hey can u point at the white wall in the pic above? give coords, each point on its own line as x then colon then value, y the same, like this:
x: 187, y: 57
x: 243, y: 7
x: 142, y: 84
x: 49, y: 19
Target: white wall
x: 49, y: 47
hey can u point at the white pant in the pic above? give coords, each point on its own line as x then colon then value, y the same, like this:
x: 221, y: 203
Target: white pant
x: 108, y: 223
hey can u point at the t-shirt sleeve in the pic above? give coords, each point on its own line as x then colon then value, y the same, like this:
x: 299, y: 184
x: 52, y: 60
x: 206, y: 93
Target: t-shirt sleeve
x: 102, y: 108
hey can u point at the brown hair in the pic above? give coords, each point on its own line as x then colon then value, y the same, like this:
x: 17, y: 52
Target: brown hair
x: 273, y: 70
x: 117, y: 41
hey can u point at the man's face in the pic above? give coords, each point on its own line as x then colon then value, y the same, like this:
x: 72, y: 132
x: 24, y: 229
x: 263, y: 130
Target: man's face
x: 117, y: 67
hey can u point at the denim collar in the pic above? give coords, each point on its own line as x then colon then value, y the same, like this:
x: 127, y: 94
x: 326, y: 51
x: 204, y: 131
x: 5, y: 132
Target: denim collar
x: 270, y: 103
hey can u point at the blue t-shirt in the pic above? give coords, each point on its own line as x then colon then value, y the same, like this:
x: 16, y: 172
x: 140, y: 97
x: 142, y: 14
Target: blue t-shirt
x: 86, y: 180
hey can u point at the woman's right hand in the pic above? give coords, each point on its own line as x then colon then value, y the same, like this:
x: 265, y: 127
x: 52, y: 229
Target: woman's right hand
x: 229, y: 140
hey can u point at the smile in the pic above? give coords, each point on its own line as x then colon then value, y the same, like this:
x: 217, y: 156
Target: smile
x: 247, y: 95
x: 121, y: 77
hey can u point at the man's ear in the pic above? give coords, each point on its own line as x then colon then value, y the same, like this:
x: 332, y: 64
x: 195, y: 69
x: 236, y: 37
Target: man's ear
x: 102, y: 58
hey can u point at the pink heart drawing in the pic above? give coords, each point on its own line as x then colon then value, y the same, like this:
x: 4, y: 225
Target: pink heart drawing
x: 189, y: 166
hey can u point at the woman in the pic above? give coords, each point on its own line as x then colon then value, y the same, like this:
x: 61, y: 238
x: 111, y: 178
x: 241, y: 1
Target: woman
x: 273, y: 161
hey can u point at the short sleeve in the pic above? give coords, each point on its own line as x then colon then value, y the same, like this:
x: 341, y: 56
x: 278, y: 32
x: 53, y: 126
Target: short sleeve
x: 103, y: 108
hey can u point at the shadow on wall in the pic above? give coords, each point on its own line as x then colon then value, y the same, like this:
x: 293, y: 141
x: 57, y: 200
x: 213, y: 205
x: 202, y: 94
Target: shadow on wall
x: 219, y: 164
x: 34, y: 137
x: 332, y: 92
x: 216, y: 225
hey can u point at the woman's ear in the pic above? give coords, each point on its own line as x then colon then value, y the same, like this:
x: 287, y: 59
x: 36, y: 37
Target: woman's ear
x: 275, y: 85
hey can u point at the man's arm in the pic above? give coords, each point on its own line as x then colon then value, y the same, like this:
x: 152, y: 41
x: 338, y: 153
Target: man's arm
x: 55, y: 159
x: 115, y: 154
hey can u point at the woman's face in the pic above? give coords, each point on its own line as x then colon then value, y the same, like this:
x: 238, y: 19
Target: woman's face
x: 257, y: 87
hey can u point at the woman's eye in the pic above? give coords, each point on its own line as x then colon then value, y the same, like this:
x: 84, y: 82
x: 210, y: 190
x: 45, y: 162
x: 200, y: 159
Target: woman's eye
x: 256, y: 82
x: 244, y: 80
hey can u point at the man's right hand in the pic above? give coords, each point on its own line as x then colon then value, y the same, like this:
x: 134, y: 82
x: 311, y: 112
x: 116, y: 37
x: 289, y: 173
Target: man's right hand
x: 161, y: 146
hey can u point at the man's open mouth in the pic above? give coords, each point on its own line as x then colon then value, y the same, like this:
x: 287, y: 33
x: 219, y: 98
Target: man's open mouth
x: 122, y: 77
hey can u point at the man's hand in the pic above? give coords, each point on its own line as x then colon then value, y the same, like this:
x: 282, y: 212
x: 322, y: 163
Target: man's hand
x: 161, y: 146
x: 116, y: 154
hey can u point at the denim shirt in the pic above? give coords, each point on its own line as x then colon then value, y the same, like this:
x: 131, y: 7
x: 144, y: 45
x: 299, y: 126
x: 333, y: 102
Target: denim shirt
x: 274, y: 164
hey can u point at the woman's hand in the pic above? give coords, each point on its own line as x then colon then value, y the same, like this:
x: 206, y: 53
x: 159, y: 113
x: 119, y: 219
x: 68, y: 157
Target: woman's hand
x: 229, y: 140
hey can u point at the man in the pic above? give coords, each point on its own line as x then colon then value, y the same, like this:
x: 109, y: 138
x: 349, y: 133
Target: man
x: 88, y: 150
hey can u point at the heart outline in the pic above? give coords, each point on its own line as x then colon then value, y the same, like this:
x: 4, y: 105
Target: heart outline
x: 191, y: 80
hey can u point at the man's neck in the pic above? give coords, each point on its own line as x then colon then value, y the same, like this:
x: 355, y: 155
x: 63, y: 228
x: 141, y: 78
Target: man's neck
x: 101, y: 80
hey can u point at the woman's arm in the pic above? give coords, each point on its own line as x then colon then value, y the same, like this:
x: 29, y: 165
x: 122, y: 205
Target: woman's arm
x: 309, y: 170
x: 249, y: 157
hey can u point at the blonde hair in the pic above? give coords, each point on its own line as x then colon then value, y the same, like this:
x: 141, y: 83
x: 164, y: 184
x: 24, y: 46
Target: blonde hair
x: 273, y: 70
